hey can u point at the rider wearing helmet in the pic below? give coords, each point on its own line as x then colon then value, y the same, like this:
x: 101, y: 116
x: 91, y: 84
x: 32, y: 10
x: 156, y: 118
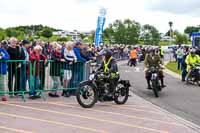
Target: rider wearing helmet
x: 153, y: 60
x: 191, y: 60
x: 110, y: 68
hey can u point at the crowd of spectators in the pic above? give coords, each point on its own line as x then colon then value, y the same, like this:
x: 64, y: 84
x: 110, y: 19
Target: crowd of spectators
x: 180, y: 54
x: 23, y: 62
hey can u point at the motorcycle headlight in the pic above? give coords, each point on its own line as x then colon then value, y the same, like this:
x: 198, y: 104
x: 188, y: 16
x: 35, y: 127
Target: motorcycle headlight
x: 91, y: 77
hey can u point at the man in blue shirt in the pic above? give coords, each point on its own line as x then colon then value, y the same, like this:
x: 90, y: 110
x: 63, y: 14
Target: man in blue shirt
x: 3, y: 71
x: 77, y: 50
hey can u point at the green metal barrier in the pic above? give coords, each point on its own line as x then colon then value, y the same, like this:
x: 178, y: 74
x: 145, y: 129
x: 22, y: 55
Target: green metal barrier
x: 33, y: 78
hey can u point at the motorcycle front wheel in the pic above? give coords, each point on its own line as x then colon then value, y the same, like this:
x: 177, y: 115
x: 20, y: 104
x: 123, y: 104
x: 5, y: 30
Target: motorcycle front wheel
x: 86, y: 96
x: 155, y: 87
x: 122, y: 94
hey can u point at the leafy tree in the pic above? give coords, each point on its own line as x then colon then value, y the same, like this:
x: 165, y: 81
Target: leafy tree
x: 10, y: 32
x: 108, y: 34
x: 82, y: 36
x: 62, y: 39
x: 191, y: 29
x: 47, y: 33
x: 2, y: 34
x: 91, y: 37
x: 150, y: 35
x: 181, y: 38
x: 123, y: 32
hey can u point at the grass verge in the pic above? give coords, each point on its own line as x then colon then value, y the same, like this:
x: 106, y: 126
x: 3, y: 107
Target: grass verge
x: 172, y: 66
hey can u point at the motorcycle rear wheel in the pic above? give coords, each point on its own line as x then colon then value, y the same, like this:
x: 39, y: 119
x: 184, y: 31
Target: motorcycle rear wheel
x: 121, y: 92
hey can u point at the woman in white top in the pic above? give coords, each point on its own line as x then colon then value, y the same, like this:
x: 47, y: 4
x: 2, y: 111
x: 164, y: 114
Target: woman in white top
x: 69, y: 54
x: 70, y: 59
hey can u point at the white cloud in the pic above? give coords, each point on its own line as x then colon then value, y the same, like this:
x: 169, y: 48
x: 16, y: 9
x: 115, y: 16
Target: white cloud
x: 82, y: 14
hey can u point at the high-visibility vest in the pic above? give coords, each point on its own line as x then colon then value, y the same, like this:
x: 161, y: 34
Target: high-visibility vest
x: 191, y: 60
x: 106, y: 69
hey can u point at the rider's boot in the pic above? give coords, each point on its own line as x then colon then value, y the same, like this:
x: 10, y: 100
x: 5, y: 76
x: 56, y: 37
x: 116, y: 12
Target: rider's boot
x: 162, y: 83
x: 149, y: 85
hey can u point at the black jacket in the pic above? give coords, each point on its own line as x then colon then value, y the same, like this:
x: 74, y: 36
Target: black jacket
x: 15, y: 53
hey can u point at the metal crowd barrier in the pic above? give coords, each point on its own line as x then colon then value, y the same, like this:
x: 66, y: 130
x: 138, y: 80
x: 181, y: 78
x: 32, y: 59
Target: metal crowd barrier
x: 19, y: 77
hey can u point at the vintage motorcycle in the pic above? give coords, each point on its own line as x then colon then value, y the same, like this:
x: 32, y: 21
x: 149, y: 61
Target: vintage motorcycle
x: 155, y: 80
x: 97, y: 88
x: 194, y: 76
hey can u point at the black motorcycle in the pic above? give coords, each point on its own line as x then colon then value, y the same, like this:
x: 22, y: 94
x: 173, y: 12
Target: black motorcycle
x: 97, y: 88
x: 155, y: 80
x: 194, y: 76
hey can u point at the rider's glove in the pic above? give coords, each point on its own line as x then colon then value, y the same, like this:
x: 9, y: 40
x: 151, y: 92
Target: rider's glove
x: 162, y: 66
x: 145, y: 69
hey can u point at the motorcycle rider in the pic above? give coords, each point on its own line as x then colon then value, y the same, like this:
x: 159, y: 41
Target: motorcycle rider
x: 153, y: 60
x: 110, y: 69
x: 191, y: 60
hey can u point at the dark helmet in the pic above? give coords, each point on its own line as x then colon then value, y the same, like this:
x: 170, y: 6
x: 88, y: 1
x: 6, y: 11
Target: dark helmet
x: 107, y: 52
x: 152, y: 50
x: 193, y: 51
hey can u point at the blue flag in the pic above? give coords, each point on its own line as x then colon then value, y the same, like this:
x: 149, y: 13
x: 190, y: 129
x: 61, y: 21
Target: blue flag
x: 100, y: 24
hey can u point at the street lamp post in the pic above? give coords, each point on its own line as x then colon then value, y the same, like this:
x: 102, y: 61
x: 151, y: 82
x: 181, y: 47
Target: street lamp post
x: 170, y: 25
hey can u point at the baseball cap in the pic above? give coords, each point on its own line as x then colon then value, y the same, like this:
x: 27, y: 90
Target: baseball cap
x: 25, y: 42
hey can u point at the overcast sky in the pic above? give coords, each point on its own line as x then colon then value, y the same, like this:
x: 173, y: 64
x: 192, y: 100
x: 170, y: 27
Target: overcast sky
x: 82, y: 14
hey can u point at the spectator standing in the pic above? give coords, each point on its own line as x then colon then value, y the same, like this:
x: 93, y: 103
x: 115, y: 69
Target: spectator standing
x: 179, y: 54
x: 43, y: 63
x: 87, y: 53
x: 55, y: 69
x: 14, y: 67
x: 80, y: 59
x: 77, y: 50
x: 25, y: 65
x: 3, y: 71
x: 70, y: 59
x: 126, y: 50
x: 198, y: 50
x: 161, y: 52
x: 133, y: 57
x: 184, y: 65
x: 34, y: 80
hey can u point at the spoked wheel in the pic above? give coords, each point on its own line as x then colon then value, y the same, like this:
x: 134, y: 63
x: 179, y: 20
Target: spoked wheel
x: 86, y: 96
x: 155, y: 87
x: 121, y: 95
x: 187, y: 81
x: 198, y: 83
x: 198, y: 79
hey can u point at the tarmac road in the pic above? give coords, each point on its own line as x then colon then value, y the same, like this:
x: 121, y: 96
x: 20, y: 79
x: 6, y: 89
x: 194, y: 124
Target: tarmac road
x: 177, y: 98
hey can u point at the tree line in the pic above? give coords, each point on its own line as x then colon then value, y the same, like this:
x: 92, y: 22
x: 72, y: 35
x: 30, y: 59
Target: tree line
x: 131, y: 32
x: 120, y: 32
x: 30, y: 32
